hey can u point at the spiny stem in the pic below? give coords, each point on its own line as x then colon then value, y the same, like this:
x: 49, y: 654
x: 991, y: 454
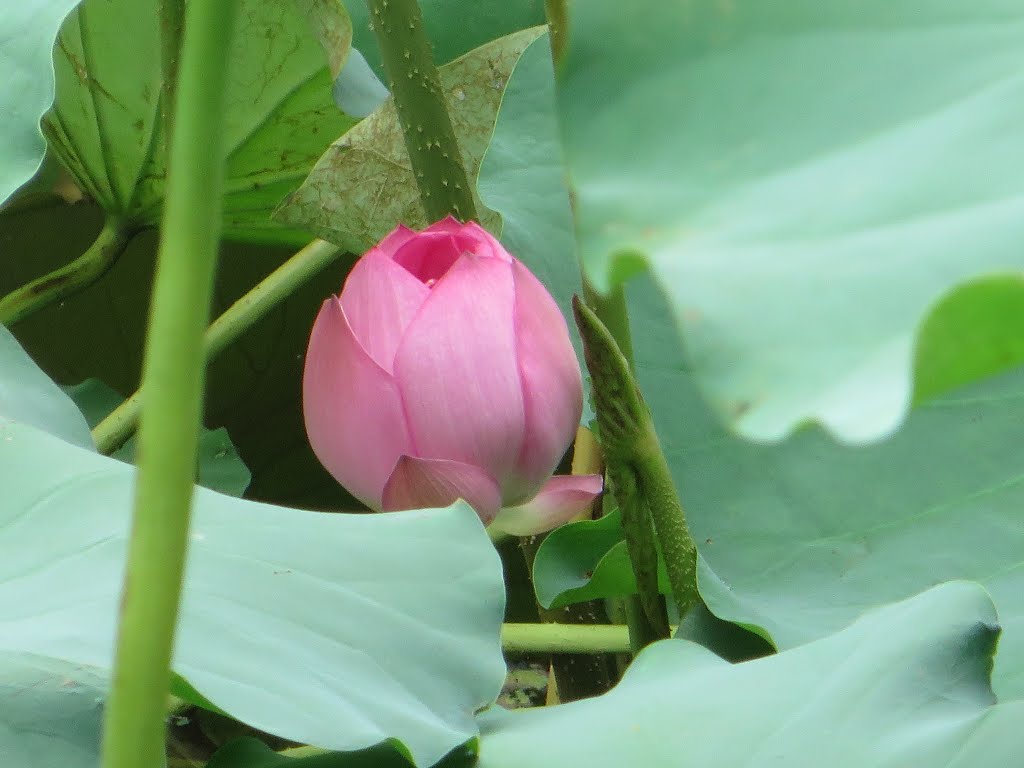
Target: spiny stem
x: 642, y: 548
x: 71, y: 278
x: 111, y: 433
x: 422, y: 109
x: 612, y: 311
x: 645, y: 612
x: 173, y: 374
x: 677, y: 545
x: 631, y: 445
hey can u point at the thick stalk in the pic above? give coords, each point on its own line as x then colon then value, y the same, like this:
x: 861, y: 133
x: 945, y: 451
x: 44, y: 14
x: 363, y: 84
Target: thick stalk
x: 677, y: 545
x: 614, y: 314
x: 111, y: 433
x: 645, y: 613
x: 173, y: 378
x: 422, y: 109
x: 61, y: 283
x: 636, y: 466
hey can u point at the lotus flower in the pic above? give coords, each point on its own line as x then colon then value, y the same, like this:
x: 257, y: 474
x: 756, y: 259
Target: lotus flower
x: 444, y: 370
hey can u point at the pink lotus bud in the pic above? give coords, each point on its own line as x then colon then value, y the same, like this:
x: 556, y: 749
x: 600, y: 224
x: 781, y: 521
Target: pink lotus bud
x: 443, y: 371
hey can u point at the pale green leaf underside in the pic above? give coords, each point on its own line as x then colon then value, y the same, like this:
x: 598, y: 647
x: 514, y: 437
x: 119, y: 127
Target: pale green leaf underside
x: 29, y: 29
x: 335, y: 630
x: 29, y: 396
x: 906, y: 685
x: 800, y: 537
x: 805, y: 179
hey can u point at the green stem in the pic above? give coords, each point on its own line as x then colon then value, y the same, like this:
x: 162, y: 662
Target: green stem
x: 557, y: 17
x: 613, y: 312
x: 564, y: 638
x: 111, y: 433
x: 173, y: 379
x: 69, y: 279
x: 267, y: 294
x: 677, y: 546
x: 172, y: 24
x: 422, y: 109
x: 626, y: 431
x: 642, y: 630
x: 646, y: 616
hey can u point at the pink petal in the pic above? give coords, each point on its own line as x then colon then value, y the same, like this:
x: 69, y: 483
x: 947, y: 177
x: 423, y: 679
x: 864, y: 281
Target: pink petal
x: 552, y: 384
x: 471, y: 238
x: 458, y: 372
x: 448, y: 224
x: 476, y: 239
x: 379, y: 299
x: 429, y: 255
x: 422, y: 483
x: 352, y: 408
x: 391, y: 242
x: 560, y: 500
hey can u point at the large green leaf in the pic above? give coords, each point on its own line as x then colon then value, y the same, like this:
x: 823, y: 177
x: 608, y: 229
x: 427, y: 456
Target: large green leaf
x: 106, y: 124
x: 364, y: 184
x: 51, y: 712
x: 29, y: 29
x: 336, y: 630
x: 797, y: 539
x: 28, y: 396
x: 906, y: 685
x: 805, y: 180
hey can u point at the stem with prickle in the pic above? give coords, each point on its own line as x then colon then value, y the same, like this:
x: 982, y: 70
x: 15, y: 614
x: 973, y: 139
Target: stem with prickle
x: 631, y: 444
x: 422, y: 109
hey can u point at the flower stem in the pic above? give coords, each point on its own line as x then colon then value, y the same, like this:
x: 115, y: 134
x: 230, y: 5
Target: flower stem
x: 422, y: 109
x: 111, y: 433
x: 71, y: 278
x: 632, y: 449
x: 674, y: 539
x: 645, y: 613
x: 173, y: 378
x: 613, y: 312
